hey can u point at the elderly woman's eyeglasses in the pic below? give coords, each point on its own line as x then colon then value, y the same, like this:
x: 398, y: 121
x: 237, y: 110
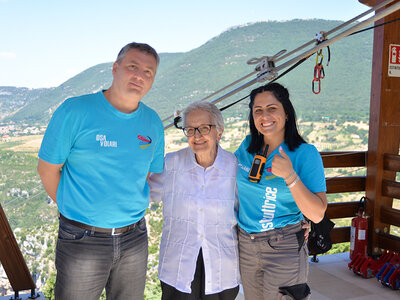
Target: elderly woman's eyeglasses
x: 202, y: 129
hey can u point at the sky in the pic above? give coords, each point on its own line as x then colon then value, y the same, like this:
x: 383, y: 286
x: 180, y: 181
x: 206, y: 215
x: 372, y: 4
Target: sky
x: 43, y: 43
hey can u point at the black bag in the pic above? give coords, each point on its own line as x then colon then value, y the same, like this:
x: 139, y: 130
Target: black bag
x: 319, y: 240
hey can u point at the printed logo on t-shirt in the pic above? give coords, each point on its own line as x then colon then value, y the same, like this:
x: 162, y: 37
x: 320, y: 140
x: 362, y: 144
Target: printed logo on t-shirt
x: 144, y: 142
x: 269, y: 177
x: 244, y: 168
x: 268, y: 209
x: 104, y: 143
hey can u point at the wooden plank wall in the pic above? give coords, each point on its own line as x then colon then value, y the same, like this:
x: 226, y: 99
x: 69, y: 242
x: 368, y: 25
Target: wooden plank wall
x: 343, y: 185
x: 390, y: 188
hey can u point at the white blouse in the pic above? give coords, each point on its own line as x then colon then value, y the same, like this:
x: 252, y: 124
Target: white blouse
x: 199, y: 211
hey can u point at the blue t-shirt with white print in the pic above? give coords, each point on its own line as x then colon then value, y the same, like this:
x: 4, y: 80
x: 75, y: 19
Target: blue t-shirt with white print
x: 107, y: 155
x: 269, y: 204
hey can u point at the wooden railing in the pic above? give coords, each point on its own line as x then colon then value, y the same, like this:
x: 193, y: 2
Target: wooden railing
x: 389, y: 215
x: 390, y: 189
x: 343, y: 185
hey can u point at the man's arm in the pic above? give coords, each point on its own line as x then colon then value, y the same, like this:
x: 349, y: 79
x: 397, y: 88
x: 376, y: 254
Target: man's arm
x: 50, y: 175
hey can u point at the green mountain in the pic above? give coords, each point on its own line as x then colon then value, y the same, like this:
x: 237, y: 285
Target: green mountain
x: 186, y: 77
x: 12, y: 98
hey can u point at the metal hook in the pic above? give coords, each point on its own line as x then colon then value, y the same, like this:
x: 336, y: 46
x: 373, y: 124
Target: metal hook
x: 255, y: 60
x: 266, y: 66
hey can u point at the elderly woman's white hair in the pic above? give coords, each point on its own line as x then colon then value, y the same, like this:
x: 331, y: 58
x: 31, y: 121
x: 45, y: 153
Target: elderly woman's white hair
x: 208, y: 107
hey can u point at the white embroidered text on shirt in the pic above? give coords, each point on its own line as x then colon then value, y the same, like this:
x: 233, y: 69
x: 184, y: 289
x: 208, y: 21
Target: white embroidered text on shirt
x: 104, y: 143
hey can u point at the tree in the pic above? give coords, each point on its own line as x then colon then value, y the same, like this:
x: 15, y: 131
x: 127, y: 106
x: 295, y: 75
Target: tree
x: 48, y: 289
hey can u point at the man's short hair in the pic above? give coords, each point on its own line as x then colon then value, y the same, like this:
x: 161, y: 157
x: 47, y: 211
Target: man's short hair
x: 141, y: 47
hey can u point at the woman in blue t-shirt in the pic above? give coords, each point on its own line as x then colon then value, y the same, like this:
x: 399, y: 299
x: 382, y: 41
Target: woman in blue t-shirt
x: 273, y: 252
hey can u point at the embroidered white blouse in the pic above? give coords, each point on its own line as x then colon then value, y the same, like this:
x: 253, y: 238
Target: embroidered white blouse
x: 199, y: 211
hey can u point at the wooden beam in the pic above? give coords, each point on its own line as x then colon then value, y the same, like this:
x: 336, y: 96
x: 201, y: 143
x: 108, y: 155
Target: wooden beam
x: 340, y: 235
x: 345, y: 184
x: 344, y: 159
x: 390, y: 216
x: 388, y: 242
x: 340, y: 210
x: 11, y: 258
x: 370, y: 3
x: 391, y: 162
x: 390, y: 189
x: 384, y: 124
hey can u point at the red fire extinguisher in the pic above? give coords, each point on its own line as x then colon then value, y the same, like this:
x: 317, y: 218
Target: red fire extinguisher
x: 359, y: 232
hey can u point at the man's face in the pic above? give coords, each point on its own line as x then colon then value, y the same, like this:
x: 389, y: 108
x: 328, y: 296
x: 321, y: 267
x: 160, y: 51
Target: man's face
x: 134, y: 74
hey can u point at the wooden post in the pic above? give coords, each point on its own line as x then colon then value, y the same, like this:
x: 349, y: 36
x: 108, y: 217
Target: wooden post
x: 384, y: 124
x: 12, y: 260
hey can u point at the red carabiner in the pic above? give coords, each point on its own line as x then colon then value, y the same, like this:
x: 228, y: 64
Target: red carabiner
x: 316, y: 72
x: 319, y: 72
x: 319, y: 86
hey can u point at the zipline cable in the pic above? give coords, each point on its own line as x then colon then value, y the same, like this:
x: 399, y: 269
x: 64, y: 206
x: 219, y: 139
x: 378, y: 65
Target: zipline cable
x: 283, y: 74
x: 217, y: 92
x: 20, y: 204
x: 337, y: 28
x: 268, y: 72
x: 376, y: 26
x: 360, y: 31
x: 16, y: 198
x: 341, y: 35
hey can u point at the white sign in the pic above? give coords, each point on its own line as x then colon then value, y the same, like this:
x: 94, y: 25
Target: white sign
x: 394, y: 61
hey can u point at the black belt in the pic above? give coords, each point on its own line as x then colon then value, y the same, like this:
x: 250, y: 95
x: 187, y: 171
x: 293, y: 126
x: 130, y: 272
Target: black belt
x: 111, y: 231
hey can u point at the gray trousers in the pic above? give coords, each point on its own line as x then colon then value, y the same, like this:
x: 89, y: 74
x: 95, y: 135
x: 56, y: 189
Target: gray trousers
x: 274, y: 264
x: 88, y: 262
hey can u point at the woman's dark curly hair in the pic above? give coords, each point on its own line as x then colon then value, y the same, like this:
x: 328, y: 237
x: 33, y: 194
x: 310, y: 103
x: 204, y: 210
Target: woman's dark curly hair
x: 292, y: 137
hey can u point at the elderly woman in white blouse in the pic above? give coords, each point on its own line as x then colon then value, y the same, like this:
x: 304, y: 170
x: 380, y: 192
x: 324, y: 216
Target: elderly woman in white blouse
x: 198, y: 251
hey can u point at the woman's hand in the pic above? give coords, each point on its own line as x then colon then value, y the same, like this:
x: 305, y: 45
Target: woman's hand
x: 313, y: 206
x: 282, y: 165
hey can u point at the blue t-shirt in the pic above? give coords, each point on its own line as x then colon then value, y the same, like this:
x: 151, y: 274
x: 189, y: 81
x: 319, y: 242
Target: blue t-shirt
x: 107, y: 155
x: 269, y: 204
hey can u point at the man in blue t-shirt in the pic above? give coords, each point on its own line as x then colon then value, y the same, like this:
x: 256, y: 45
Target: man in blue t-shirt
x: 95, y: 157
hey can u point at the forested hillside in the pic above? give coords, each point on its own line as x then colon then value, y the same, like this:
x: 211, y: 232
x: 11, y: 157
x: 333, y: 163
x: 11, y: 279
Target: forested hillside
x: 185, y: 77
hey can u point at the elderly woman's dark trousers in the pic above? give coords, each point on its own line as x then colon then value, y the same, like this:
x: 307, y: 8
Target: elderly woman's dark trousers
x: 197, y: 287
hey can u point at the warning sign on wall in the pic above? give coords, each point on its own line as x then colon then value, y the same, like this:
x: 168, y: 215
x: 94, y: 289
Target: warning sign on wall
x: 394, y: 61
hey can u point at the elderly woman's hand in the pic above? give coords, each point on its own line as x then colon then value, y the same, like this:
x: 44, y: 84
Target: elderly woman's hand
x: 305, y: 225
x: 282, y: 165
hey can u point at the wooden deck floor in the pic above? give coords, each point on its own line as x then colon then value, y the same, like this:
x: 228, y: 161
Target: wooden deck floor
x: 330, y: 279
